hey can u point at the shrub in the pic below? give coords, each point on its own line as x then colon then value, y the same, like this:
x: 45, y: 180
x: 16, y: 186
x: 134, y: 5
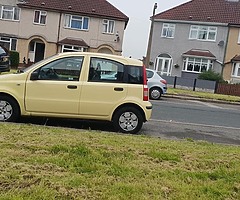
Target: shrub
x: 14, y: 59
x: 211, y: 76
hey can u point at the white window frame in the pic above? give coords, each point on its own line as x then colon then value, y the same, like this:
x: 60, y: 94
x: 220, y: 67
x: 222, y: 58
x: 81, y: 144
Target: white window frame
x: 13, y: 11
x: 10, y: 42
x: 194, y: 61
x: 72, y: 48
x: 236, y: 69
x: 168, y: 30
x: 70, y: 18
x: 197, y: 33
x: 108, y: 26
x: 42, y: 18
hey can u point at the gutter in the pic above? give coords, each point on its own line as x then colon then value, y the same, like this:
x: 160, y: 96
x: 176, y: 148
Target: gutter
x: 191, y: 22
x: 225, y: 50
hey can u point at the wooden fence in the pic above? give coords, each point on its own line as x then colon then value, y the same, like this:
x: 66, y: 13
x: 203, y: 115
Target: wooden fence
x: 228, y: 89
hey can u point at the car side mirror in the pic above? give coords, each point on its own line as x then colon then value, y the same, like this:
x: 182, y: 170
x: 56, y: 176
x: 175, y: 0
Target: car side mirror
x: 34, y: 76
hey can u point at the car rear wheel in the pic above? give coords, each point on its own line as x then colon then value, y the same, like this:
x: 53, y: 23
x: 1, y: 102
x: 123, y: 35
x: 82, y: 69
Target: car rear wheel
x: 9, y: 110
x: 128, y: 120
x: 155, y: 93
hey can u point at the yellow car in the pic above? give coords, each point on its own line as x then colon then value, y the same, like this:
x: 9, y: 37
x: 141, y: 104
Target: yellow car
x: 79, y: 85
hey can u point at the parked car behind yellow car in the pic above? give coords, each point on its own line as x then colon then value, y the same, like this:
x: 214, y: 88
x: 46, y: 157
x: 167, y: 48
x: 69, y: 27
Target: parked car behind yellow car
x: 79, y: 85
x: 4, y: 60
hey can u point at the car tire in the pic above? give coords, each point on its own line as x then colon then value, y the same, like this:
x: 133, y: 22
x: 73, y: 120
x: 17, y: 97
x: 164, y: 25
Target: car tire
x: 9, y: 110
x: 128, y: 120
x: 155, y: 93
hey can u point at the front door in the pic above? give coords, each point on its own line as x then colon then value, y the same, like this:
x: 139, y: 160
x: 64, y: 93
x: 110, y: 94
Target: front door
x: 55, y: 87
x: 39, y: 51
x: 163, y: 65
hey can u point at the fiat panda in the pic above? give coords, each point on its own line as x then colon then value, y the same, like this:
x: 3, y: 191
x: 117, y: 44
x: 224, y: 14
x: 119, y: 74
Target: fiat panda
x: 80, y: 85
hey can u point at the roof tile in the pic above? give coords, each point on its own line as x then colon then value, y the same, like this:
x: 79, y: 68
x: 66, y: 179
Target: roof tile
x: 200, y: 53
x: 71, y: 41
x: 220, y: 11
x: 85, y: 7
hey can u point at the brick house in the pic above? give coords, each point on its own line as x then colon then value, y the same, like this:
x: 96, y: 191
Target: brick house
x: 196, y: 36
x: 40, y: 28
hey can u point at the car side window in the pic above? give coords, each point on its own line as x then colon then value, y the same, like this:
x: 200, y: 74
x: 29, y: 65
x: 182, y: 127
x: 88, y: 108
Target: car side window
x: 64, y: 69
x: 135, y: 74
x: 149, y: 74
x: 105, y: 70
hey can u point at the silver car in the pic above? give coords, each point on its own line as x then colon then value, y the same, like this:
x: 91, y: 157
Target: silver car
x: 156, y: 84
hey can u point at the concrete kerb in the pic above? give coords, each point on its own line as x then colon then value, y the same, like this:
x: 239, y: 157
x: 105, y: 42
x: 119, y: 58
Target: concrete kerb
x: 188, y: 97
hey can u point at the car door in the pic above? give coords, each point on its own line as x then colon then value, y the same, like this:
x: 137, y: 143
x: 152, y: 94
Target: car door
x: 104, y: 87
x: 55, y: 87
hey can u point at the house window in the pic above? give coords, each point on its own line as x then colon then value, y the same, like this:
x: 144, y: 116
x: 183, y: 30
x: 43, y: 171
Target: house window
x: 197, y: 65
x: 236, y: 69
x: 9, y: 13
x: 168, y: 30
x: 40, y: 17
x: 8, y: 43
x: 203, y: 33
x: 76, y: 22
x: 108, y: 26
x: 69, y: 48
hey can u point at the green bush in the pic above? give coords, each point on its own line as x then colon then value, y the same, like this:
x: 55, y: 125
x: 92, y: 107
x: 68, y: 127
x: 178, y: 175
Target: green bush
x: 211, y: 76
x: 14, y: 59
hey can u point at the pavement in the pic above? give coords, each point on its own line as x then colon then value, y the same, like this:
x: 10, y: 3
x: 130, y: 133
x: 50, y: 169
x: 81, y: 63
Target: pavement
x: 190, y: 97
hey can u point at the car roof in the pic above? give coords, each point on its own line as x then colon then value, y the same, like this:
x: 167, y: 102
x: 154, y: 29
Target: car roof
x: 122, y: 59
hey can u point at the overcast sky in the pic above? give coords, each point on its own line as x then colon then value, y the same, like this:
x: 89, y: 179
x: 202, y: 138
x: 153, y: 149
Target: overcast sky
x: 137, y: 31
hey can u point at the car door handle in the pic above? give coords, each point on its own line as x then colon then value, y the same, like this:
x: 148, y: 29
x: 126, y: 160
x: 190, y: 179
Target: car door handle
x: 72, y: 87
x: 118, y: 89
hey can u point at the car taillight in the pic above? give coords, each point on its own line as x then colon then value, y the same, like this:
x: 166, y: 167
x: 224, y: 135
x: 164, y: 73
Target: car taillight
x: 145, y: 87
x: 163, y: 81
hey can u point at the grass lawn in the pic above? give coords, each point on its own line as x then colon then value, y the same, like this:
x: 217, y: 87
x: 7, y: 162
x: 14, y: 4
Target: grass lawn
x: 39, y: 162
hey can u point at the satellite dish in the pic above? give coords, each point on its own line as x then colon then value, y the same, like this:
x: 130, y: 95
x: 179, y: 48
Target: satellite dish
x: 221, y: 43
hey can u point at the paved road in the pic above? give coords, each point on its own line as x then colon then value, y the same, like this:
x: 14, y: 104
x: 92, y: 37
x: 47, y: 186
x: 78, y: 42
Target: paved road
x: 174, y: 118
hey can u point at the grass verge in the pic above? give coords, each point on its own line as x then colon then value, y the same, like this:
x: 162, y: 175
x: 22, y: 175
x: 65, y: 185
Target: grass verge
x: 56, y: 163
x: 206, y: 95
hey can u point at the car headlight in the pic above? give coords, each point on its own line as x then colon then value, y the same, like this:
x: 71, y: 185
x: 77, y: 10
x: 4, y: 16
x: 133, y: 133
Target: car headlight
x: 5, y: 58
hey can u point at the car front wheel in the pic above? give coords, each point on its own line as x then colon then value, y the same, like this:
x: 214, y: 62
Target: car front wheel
x: 155, y: 93
x: 9, y: 110
x: 128, y: 120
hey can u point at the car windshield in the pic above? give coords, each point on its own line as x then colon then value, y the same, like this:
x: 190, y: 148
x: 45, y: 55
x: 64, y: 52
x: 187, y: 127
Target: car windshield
x: 2, y: 51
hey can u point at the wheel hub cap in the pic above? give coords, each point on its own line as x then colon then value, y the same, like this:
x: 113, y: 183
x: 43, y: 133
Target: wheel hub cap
x: 128, y: 121
x: 155, y: 94
x: 5, y: 110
